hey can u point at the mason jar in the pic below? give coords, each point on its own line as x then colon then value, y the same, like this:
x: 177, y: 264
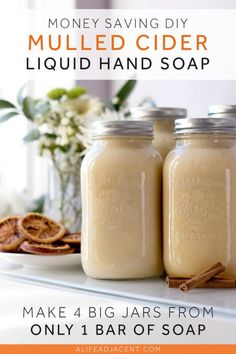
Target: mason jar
x: 121, y: 179
x: 200, y: 197
x: 163, y: 119
x: 222, y: 111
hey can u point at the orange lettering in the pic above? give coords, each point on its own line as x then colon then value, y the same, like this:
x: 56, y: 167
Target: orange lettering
x: 36, y: 42
x: 113, y: 42
x: 83, y: 45
x: 68, y: 43
x: 185, y: 41
x: 138, y: 42
x: 201, y: 41
x: 58, y: 42
x: 99, y: 41
x: 165, y: 46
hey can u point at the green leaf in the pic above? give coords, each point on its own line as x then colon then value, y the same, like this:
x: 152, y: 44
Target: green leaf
x: 39, y: 205
x: 76, y: 92
x: 56, y: 93
x: 28, y: 107
x: 20, y: 96
x: 8, y: 116
x: 50, y: 135
x: 42, y: 107
x: 33, y: 135
x: 61, y: 148
x: 123, y: 94
x: 6, y: 104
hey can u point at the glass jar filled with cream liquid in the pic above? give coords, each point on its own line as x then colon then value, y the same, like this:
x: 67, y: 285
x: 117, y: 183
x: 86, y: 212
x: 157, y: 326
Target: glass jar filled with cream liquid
x: 121, y: 181
x: 163, y: 120
x: 200, y: 197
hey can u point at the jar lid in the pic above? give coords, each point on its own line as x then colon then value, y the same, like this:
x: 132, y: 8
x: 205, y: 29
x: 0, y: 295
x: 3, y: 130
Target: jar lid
x: 122, y: 127
x: 222, y: 111
x: 155, y: 113
x: 205, y: 125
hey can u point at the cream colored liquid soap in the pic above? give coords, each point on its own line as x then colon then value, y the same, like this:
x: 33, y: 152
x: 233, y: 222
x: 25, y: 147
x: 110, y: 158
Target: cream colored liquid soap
x: 200, y: 197
x: 121, y: 200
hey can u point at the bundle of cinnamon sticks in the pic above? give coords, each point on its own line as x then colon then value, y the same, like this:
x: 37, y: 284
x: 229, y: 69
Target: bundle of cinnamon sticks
x: 208, y: 278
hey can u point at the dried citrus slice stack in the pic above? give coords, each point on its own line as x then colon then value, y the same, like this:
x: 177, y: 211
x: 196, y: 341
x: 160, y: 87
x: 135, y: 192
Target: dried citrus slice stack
x: 73, y: 239
x: 12, y: 243
x: 8, y: 227
x: 39, y: 228
x: 37, y: 234
x: 45, y: 249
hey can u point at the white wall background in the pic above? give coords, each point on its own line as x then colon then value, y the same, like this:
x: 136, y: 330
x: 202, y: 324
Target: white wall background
x: 174, y: 4
x: 196, y: 96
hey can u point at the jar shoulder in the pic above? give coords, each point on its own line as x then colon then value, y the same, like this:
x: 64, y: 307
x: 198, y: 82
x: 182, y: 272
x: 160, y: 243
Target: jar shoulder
x: 199, y: 156
x: 114, y: 155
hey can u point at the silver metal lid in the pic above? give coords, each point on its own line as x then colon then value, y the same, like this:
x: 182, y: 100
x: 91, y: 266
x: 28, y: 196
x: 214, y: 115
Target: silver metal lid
x: 221, y: 111
x: 205, y: 125
x: 122, y: 128
x: 155, y: 113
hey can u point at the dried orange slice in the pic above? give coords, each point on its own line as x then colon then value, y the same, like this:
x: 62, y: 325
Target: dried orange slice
x: 39, y: 228
x: 45, y: 249
x: 8, y: 227
x: 74, y: 239
x: 12, y: 243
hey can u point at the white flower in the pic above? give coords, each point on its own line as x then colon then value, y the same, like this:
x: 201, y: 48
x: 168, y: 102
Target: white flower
x: 70, y: 131
x: 45, y: 141
x: 65, y: 121
x: 66, y: 128
x: 109, y: 115
x: 83, y: 105
x: 115, y: 100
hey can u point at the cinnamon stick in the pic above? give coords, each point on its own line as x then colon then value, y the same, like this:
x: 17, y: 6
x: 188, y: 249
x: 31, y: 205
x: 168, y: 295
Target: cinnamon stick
x: 215, y: 283
x: 218, y: 264
x: 173, y: 282
x: 202, y: 277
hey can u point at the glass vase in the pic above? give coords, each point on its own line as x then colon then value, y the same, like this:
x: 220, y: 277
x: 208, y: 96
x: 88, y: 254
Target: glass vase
x: 63, y: 199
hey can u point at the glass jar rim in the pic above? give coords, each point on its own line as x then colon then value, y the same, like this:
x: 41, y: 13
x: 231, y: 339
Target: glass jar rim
x: 123, y: 128
x: 157, y: 113
x: 205, y: 126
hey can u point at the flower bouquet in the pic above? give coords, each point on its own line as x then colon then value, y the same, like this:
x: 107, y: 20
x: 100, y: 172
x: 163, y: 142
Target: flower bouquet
x: 60, y: 124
